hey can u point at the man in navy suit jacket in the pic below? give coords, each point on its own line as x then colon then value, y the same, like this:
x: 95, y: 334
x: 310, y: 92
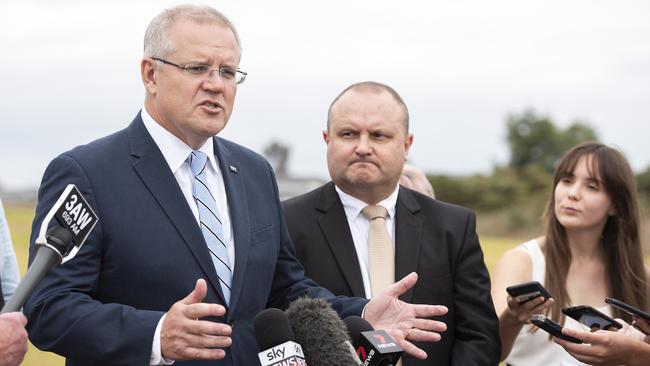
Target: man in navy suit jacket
x: 143, y: 289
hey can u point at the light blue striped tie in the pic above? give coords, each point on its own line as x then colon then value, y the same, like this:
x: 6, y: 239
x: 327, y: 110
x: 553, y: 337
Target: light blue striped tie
x: 210, y: 223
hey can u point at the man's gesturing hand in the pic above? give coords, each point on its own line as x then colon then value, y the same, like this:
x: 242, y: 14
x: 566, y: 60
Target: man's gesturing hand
x: 403, y: 321
x: 184, y: 336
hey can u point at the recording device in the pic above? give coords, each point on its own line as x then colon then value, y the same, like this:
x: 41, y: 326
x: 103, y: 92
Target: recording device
x: 275, y: 339
x: 592, y: 318
x: 628, y: 308
x: 62, y: 233
x: 528, y: 291
x: 321, y: 332
x: 552, y: 328
x: 373, y: 347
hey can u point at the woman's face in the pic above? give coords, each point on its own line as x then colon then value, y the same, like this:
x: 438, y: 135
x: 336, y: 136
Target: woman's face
x: 581, y: 203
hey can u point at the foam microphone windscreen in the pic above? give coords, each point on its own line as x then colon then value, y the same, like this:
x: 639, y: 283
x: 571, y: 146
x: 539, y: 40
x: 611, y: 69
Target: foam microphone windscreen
x: 321, y: 333
x: 356, y: 325
x: 272, y: 328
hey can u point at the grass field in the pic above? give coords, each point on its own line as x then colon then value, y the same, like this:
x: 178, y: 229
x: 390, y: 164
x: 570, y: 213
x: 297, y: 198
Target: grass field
x: 20, y: 220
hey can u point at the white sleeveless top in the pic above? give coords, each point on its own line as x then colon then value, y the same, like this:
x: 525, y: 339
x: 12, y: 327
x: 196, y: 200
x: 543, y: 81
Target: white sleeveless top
x: 535, y: 349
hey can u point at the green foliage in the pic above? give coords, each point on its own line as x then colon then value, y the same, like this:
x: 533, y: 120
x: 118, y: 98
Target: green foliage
x: 453, y: 189
x: 576, y: 133
x: 643, y: 180
x: 506, y: 186
x: 511, y: 201
x: 513, y: 198
x: 534, y: 139
x: 643, y: 184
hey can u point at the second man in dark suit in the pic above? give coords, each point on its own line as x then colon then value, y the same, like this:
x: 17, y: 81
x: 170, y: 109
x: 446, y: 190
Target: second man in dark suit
x: 354, y: 232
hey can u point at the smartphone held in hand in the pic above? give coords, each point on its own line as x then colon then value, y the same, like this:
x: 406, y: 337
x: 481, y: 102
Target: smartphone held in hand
x: 552, y: 328
x: 592, y: 318
x: 527, y: 291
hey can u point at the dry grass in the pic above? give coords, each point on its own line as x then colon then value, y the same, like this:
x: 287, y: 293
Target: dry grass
x: 20, y: 221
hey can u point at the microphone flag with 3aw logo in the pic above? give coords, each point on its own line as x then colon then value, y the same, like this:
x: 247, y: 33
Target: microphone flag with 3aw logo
x: 62, y: 233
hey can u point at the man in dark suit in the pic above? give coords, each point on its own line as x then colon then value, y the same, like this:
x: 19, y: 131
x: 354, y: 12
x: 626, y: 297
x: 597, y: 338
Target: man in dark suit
x: 191, y: 242
x: 367, y: 144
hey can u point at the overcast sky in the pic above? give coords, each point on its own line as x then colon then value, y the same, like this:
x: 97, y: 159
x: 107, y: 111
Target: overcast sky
x: 69, y: 73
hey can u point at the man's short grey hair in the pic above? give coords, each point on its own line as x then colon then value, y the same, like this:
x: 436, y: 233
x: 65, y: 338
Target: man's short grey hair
x: 375, y: 87
x: 157, y: 40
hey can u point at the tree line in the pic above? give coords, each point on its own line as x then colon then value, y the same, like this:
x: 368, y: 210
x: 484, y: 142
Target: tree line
x: 520, y: 189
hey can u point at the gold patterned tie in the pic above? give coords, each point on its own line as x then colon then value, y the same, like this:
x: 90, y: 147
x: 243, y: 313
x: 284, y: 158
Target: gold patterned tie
x: 381, y: 260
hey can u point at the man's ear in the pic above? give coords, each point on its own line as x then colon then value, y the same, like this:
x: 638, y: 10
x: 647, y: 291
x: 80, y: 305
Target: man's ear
x: 407, y: 145
x: 148, y: 74
x: 326, y: 137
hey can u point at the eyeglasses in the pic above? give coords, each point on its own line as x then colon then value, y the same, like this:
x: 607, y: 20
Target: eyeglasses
x: 225, y: 73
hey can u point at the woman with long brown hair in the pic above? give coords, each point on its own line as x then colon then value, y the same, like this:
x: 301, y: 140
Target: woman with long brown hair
x: 591, y: 250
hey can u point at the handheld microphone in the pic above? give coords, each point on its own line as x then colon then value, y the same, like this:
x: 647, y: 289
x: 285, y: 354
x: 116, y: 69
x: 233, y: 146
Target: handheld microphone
x: 58, y: 241
x: 320, y: 330
x: 374, y: 347
x: 275, y: 340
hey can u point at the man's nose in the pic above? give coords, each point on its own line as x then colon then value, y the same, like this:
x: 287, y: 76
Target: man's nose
x: 363, y: 147
x: 214, y: 81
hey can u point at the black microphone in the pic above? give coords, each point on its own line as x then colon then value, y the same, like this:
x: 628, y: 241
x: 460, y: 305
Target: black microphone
x: 321, y: 332
x: 374, y: 347
x: 275, y: 339
x: 58, y: 241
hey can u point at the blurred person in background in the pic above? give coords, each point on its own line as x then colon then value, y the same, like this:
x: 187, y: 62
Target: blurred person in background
x: 414, y: 178
x: 591, y: 250
x: 13, y: 336
x: 9, y: 275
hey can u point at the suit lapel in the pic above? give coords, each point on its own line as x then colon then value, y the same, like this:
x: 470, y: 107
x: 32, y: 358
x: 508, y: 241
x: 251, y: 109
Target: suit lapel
x: 408, y: 232
x: 153, y: 170
x: 335, y: 228
x: 239, y: 218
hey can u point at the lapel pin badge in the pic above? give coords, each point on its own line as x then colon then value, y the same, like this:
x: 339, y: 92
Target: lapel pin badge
x: 233, y: 168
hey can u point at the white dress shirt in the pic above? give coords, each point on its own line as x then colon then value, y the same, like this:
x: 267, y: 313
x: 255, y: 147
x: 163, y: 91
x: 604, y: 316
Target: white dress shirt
x: 359, y: 226
x: 176, y: 153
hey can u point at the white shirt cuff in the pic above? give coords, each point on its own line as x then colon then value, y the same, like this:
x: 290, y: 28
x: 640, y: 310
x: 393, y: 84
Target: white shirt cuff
x: 156, y: 353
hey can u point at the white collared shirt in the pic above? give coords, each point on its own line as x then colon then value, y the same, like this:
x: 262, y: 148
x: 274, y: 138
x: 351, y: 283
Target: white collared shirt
x: 359, y: 226
x: 175, y: 153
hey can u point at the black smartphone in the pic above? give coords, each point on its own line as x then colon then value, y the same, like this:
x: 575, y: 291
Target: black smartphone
x: 592, y: 318
x: 527, y: 291
x: 628, y: 308
x: 552, y: 328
